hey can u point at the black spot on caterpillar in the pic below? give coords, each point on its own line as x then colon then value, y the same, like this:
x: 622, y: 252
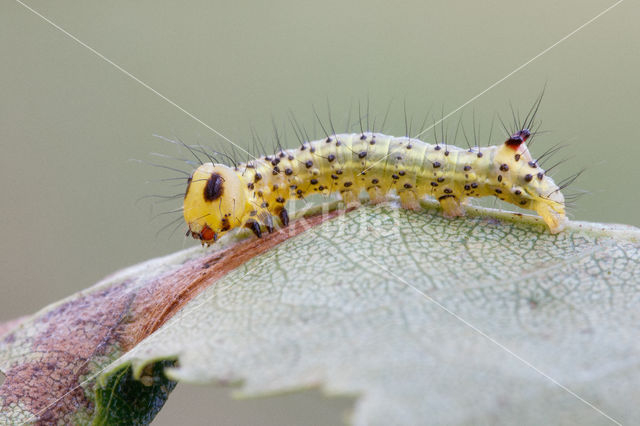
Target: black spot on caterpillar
x: 220, y: 198
x: 213, y: 189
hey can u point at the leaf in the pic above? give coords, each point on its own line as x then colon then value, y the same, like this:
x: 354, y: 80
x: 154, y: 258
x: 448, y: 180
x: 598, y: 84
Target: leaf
x: 483, y: 319
x: 120, y: 399
x: 428, y: 320
x: 52, y: 359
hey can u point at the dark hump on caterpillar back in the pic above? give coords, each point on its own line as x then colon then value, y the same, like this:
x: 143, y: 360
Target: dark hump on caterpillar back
x: 518, y: 138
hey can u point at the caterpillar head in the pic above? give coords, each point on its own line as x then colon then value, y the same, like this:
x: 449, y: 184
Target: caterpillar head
x: 215, y: 201
x: 541, y: 193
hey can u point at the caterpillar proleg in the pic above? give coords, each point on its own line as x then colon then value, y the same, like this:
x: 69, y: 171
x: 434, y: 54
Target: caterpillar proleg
x: 219, y: 197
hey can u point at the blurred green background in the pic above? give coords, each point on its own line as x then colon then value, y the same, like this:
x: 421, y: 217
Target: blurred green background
x: 70, y: 122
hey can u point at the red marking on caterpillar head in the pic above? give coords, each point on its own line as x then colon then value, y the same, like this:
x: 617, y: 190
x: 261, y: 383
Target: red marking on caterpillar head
x: 518, y: 138
x: 207, y: 234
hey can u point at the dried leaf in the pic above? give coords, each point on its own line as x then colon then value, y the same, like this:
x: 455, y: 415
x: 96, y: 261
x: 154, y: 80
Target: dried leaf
x: 51, y: 360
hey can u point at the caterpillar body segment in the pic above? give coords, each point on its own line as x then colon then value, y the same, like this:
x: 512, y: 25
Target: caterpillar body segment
x: 220, y: 198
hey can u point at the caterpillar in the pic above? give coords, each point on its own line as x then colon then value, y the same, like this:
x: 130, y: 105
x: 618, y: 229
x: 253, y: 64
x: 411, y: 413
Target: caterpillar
x: 219, y: 198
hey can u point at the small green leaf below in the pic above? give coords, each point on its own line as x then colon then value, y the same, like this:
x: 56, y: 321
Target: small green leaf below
x: 482, y: 319
x: 121, y: 399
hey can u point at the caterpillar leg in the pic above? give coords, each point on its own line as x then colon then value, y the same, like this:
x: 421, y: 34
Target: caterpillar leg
x: 255, y: 227
x: 376, y: 195
x: 555, y: 220
x: 451, y: 206
x: 284, y: 217
x: 267, y: 221
x: 350, y: 199
x: 263, y: 218
x: 409, y: 201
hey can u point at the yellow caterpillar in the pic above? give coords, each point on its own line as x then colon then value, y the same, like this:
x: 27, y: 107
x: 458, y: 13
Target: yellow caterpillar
x: 219, y: 198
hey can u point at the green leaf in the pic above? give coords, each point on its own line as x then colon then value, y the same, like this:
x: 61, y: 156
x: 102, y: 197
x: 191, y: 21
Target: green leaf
x: 122, y: 400
x: 483, y: 319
